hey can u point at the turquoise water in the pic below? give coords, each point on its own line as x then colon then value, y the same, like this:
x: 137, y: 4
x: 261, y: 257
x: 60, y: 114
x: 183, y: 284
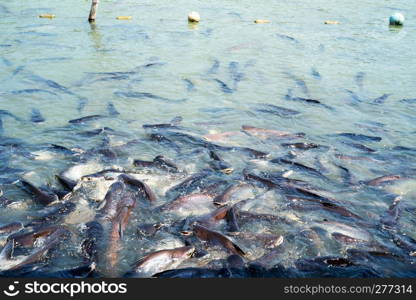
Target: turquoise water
x: 345, y: 66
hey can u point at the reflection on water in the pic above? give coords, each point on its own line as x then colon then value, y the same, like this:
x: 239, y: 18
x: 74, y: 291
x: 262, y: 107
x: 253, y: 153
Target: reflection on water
x: 315, y: 121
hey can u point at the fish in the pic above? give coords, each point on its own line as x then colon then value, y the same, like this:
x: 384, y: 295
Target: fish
x: 276, y: 110
x: 94, y: 132
x: 148, y: 229
x: 56, y: 86
x: 166, y: 164
x: 251, y: 152
x: 190, y: 183
x: 53, y: 213
x: 223, y: 136
x: 346, y: 174
x: 39, y: 196
x: 327, y: 205
x: 408, y: 100
x: 384, y: 262
x: 360, y: 137
x: 268, y: 133
x: 214, y: 68
x: 195, y: 273
x: 27, y: 238
x: 7, y: 251
x: 144, y: 95
x: 384, y: 180
x: 354, y: 96
x: 216, y: 238
x: 36, y: 116
x: 307, y: 100
x: 232, y: 220
x: 229, y: 194
x: 219, y: 164
x: 346, y: 239
x: 62, y: 149
x: 298, y: 166
x: 159, y: 261
x: 235, y: 74
x: 118, y: 197
x: 142, y: 187
x: 190, y: 86
x: 32, y: 91
x: 316, y: 74
x: 38, y: 253
x: 91, y: 245
x: 223, y: 86
x: 360, y: 147
x: 359, y: 79
x: 345, y: 229
x: 86, y: 119
x: 160, y: 162
x: 391, y: 217
x: 11, y: 227
x: 190, y: 203
x: 381, y: 99
x: 208, y: 220
x: 162, y: 139
x: 264, y: 181
x: 112, y: 111
x: 405, y: 242
x: 120, y: 200
x: 288, y: 38
x: 323, y: 261
x: 84, y: 271
x: 173, y: 124
x: 268, y: 241
x: 359, y: 158
x: 302, y: 146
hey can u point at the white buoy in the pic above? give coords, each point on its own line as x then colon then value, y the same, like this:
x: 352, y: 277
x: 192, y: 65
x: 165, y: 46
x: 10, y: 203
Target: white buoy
x: 193, y: 16
x: 396, y: 19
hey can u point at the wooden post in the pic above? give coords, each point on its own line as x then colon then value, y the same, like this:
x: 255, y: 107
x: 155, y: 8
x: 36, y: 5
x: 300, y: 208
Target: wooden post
x: 93, y: 11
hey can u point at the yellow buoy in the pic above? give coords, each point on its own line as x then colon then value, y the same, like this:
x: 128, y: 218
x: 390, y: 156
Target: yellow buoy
x: 124, y: 18
x: 259, y: 21
x: 47, y: 16
x: 331, y: 22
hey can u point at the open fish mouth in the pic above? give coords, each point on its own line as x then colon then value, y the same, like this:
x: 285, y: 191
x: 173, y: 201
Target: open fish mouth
x: 227, y: 171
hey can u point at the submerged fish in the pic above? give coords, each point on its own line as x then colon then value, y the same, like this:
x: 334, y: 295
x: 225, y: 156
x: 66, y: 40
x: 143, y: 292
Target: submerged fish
x: 360, y: 137
x: 36, y: 116
x: 144, y: 95
x: 224, y: 87
x: 276, y: 110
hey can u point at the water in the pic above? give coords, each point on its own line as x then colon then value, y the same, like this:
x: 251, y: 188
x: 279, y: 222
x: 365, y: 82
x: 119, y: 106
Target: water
x: 223, y: 68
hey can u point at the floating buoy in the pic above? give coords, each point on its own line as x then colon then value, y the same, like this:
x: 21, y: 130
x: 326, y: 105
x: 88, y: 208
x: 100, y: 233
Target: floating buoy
x: 260, y: 21
x: 124, y: 18
x: 331, y: 22
x: 47, y: 16
x: 193, y: 16
x: 396, y: 19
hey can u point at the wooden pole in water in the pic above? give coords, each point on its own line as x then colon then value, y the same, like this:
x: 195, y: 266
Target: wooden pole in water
x: 93, y: 11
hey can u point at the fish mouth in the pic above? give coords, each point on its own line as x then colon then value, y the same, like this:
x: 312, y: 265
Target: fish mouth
x: 186, y: 232
x: 227, y: 171
x: 219, y: 204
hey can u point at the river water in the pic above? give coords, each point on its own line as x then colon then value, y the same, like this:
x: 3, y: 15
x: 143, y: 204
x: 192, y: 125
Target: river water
x: 218, y: 75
